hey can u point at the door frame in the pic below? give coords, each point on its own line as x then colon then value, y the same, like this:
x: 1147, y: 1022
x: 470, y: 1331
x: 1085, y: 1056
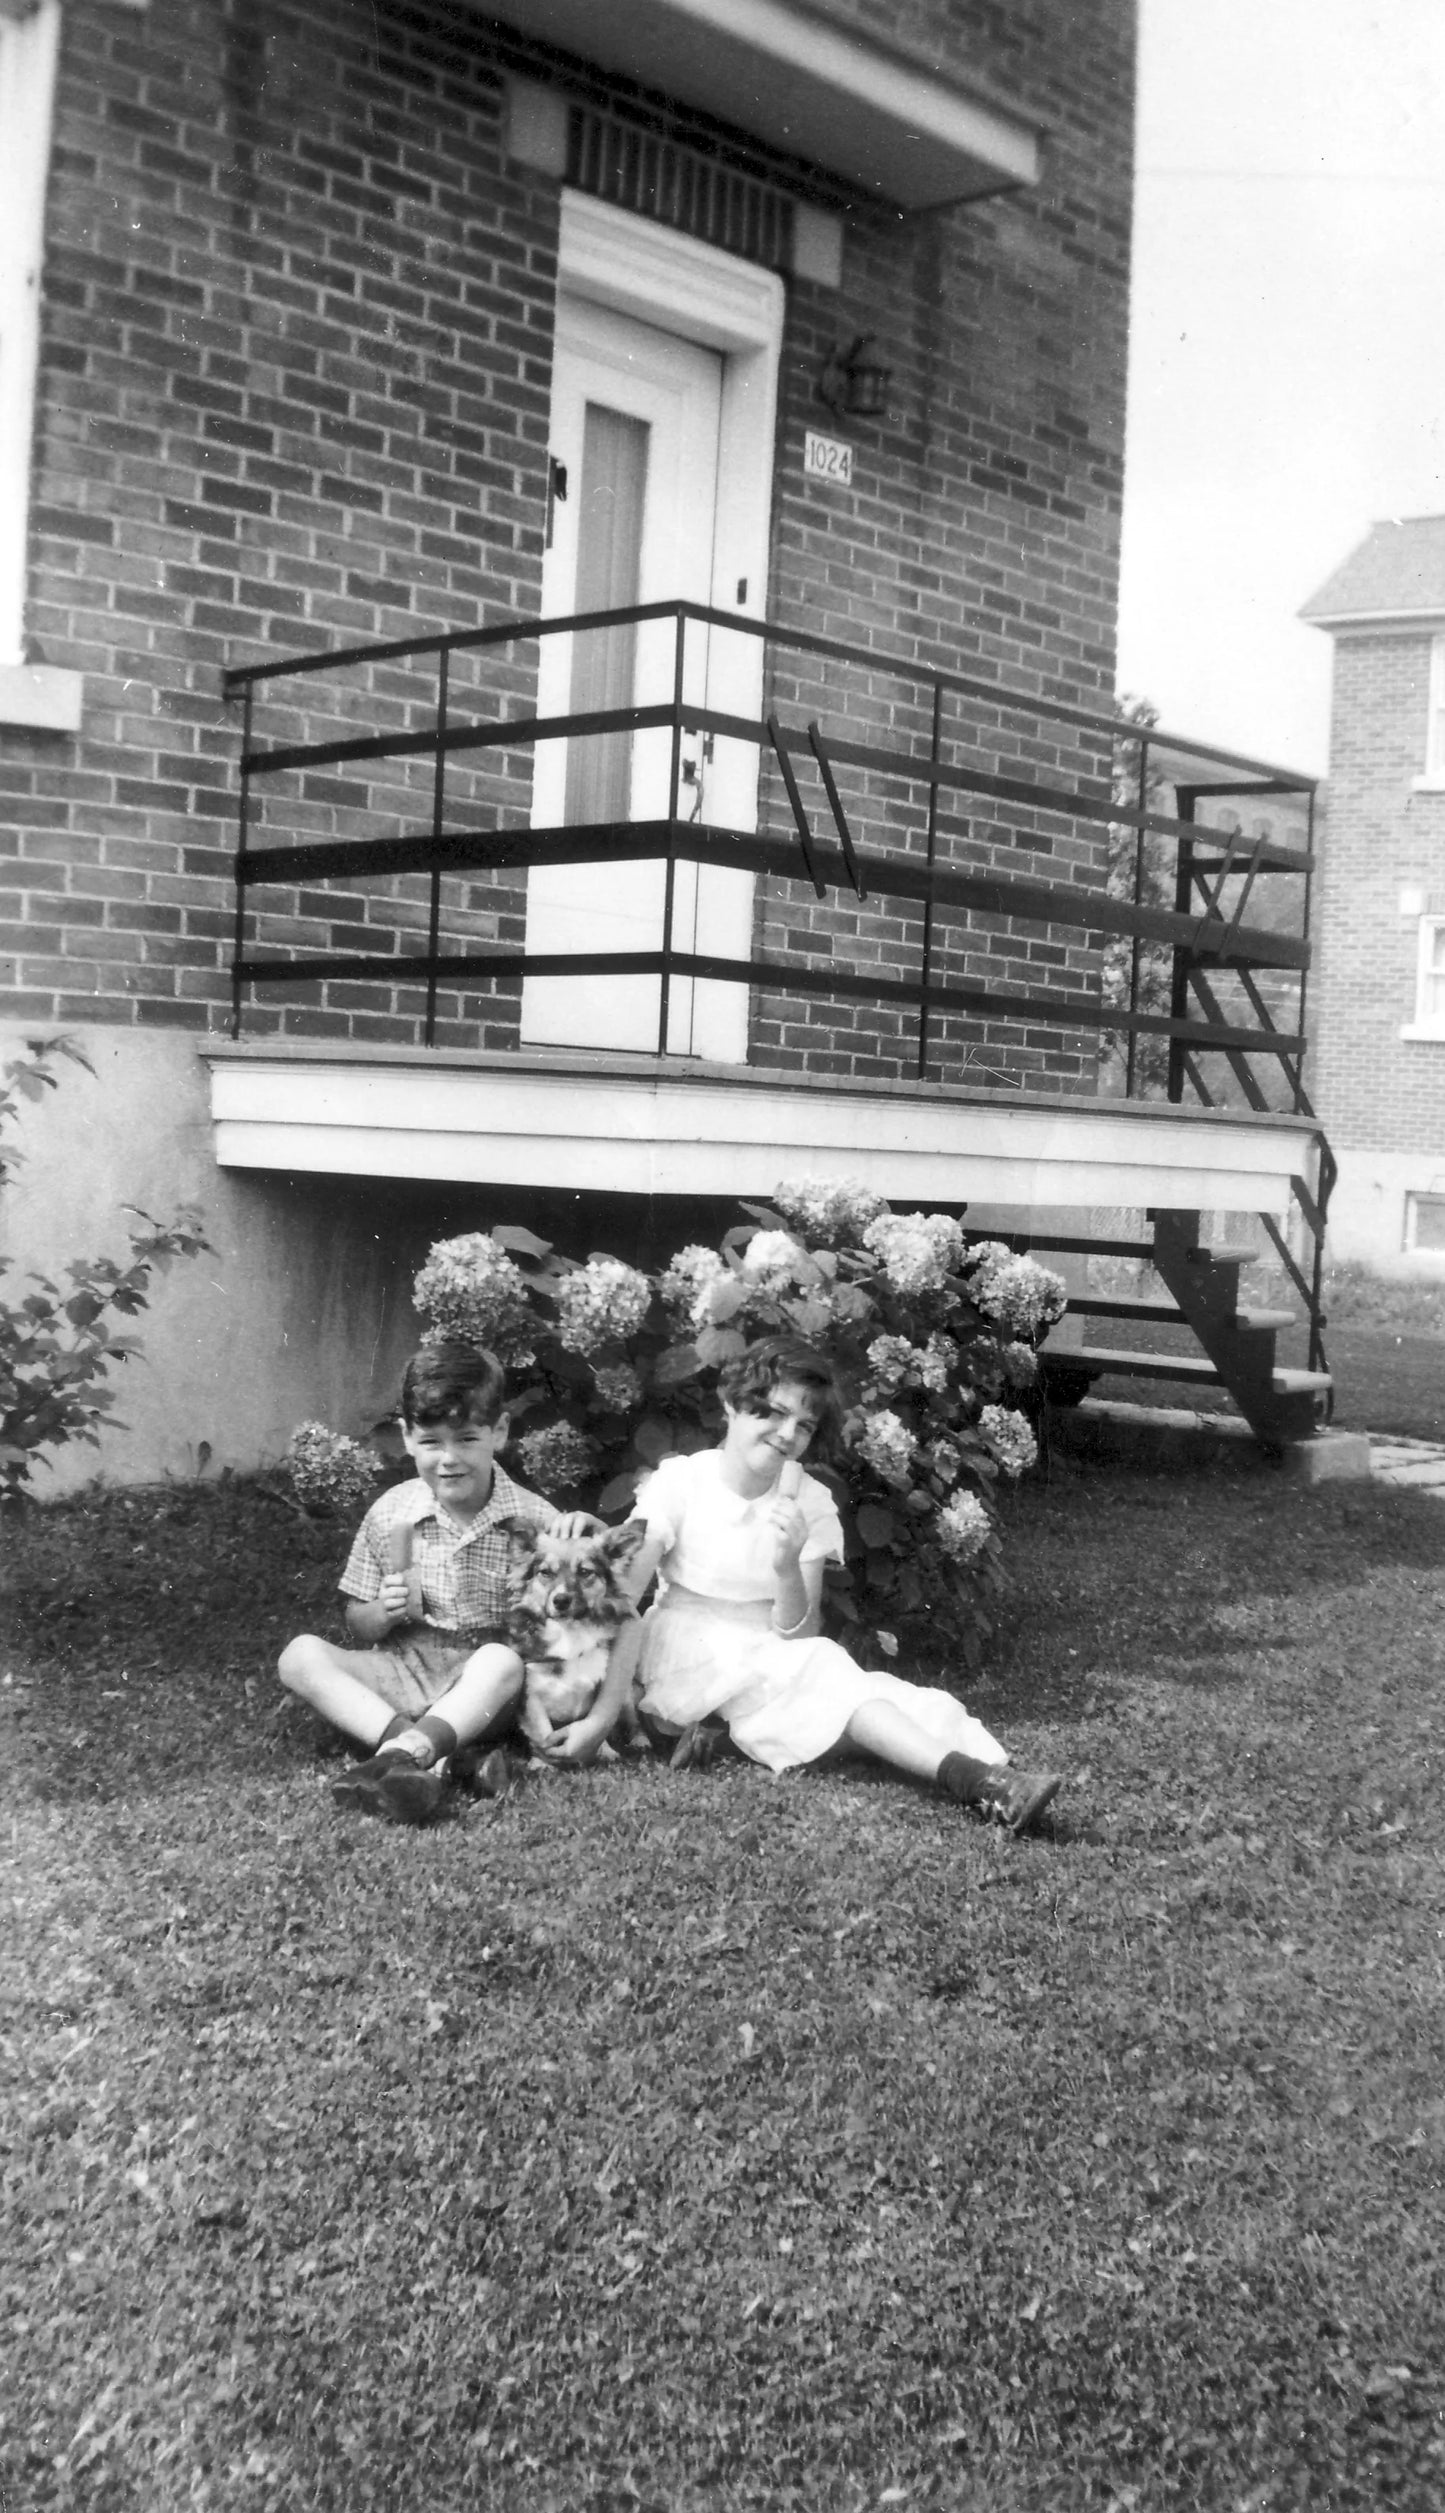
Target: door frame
x: 680, y: 285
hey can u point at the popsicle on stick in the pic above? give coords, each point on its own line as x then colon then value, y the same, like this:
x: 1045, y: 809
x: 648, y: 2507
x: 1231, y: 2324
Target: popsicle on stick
x: 790, y: 1481
x: 398, y: 1547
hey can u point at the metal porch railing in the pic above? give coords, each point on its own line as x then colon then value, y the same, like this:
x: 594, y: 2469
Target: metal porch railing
x: 976, y: 817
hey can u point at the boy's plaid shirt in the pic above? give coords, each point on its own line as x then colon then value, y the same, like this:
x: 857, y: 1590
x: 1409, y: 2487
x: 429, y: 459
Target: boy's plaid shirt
x: 469, y: 1574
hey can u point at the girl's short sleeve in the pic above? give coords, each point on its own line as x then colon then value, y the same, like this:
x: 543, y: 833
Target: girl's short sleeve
x: 660, y: 1501
x: 824, y: 1539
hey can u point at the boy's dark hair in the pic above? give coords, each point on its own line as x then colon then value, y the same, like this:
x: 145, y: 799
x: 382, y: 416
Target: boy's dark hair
x: 747, y: 1382
x: 453, y: 1382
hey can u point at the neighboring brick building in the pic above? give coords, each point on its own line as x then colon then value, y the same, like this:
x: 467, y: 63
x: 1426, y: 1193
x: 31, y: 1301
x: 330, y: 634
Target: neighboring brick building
x: 304, y: 348
x: 1379, y: 990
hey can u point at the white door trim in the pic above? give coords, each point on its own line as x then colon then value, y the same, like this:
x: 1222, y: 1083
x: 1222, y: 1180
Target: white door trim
x: 680, y: 285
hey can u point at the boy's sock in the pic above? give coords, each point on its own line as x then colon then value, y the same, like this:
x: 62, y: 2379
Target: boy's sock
x: 423, y: 1741
x: 440, y: 1735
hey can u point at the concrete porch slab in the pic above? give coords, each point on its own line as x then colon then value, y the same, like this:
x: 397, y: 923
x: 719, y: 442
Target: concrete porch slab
x: 647, y: 1125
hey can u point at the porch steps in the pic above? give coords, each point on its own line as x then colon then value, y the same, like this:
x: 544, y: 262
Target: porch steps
x: 1236, y: 1343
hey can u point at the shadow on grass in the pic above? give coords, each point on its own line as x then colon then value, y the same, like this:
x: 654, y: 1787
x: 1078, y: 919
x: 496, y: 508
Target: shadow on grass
x: 142, y: 1629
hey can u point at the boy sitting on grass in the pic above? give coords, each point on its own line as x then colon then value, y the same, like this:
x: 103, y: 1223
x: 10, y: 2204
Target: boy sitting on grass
x: 429, y: 1584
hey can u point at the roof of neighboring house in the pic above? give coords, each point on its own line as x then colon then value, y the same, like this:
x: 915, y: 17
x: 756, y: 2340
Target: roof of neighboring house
x: 1398, y: 572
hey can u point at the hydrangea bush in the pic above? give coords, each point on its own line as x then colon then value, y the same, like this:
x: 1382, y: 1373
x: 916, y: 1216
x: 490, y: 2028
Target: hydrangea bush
x: 327, y: 1470
x: 934, y: 1345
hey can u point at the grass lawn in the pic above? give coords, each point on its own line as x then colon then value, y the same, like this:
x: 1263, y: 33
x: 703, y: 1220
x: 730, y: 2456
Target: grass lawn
x: 717, y: 2142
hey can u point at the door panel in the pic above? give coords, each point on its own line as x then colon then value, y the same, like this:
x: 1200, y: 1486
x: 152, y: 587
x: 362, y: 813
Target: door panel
x: 635, y: 420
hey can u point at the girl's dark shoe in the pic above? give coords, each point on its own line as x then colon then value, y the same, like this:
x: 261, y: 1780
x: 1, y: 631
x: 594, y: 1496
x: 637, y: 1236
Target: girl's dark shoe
x: 1014, y: 1798
x: 1019, y: 1797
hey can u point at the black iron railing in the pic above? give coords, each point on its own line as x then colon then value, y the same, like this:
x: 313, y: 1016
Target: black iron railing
x: 1092, y: 834
x: 874, y: 820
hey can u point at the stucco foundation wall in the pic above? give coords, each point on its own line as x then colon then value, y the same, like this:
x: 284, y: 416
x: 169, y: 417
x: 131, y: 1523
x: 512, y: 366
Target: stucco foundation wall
x: 302, y: 1310
x: 1367, y: 1209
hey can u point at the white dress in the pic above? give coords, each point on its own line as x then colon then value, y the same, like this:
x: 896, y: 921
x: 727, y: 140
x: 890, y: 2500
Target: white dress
x: 708, y: 1645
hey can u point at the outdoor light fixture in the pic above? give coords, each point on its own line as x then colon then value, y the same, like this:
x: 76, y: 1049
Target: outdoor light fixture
x: 854, y: 384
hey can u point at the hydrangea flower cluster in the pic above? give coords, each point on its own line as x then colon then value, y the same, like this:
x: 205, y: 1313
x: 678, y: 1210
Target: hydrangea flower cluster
x: 470, y: 1288
x: 1009, y: 1437
x: 772, y: 1259
x: 963, y: 1526
x: 618, y: 1387
x: 686, y: 1280
x: 894, y: 1362
x: 1013, y: 1290
x: 1020, y: 1365
x: 828, y: 1212
x: 603, y: 1302
x: 327, y: 1470
x: 556, y: 1458
x: 917, y: 1251
x: 888, y: 1445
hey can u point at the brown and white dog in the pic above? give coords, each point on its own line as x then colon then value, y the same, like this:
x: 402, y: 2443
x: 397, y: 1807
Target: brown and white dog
x: 570, y: 1611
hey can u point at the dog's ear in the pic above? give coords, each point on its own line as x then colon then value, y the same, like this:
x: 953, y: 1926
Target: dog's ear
x: 621, y: 1543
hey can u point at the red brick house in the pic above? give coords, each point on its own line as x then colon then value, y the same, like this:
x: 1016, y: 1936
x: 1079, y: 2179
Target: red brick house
x: 350, y: 349
x: 1380, y: 926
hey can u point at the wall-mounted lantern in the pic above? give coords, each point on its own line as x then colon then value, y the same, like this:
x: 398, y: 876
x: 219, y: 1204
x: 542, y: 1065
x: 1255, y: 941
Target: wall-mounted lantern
x: 853, y: 383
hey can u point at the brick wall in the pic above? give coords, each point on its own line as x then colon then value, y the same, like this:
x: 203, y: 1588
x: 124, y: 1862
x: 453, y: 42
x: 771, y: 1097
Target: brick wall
x: 294, y: 393
x: 1375, y: 1088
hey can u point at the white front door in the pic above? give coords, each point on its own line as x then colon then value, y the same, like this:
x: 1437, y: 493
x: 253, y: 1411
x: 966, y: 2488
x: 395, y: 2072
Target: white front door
x: 635, y: 429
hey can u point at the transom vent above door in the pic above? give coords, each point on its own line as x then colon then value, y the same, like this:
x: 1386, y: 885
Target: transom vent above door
x: 657, y: 177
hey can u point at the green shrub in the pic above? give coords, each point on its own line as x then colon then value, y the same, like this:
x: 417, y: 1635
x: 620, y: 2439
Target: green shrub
x: 57, y: 1345
x: 932, y: 1340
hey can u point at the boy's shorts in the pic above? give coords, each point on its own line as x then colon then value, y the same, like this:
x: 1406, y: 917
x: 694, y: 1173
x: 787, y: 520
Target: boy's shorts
x: 412, y: 1672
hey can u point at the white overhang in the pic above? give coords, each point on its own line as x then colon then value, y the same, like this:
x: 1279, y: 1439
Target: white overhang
x: 651, y: 1126
x: 889, y: 125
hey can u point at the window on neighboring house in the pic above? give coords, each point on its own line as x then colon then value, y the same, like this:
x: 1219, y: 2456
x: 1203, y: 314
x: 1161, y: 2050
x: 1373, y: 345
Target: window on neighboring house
x: 1435, y: 732
x: 1429, y: 1021
x: 28, y: 37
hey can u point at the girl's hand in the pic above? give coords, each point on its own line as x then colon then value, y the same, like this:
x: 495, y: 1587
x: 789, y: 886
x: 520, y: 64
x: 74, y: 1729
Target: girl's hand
x: 790, y: 1533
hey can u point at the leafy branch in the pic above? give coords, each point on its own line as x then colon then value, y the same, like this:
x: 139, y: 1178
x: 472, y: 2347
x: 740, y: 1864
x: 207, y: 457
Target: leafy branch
x: 57, y: 1341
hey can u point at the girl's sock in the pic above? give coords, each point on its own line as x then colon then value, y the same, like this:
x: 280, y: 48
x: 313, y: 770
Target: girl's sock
x: 967, y: 1779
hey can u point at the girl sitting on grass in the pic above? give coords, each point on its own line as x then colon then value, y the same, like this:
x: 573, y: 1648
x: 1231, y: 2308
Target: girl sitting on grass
x: 740, y: 1534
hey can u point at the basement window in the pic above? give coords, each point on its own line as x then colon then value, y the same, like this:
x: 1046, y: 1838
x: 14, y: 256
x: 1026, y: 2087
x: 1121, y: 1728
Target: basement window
x: 1425, y: 1224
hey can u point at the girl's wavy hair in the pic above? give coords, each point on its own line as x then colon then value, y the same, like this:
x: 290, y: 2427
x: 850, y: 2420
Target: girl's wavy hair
x: 747, y: 1382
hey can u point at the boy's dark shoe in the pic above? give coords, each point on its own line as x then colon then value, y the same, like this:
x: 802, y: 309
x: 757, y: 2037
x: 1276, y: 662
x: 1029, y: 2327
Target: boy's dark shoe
x: 492, y: 1774
x: 391, y: 1785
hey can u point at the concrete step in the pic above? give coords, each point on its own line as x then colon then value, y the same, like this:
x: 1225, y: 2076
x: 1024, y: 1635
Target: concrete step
x: 1107, y: 1361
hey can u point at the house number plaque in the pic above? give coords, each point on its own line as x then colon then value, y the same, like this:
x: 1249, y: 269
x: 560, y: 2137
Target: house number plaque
x: 825, y: 459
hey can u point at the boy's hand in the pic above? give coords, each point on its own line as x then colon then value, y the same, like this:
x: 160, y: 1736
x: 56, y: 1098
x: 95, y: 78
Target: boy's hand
x: 401, y: 1597
x: 575, y: 1523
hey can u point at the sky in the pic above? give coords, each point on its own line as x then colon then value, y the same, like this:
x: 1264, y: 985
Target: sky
x: 1287, y: 362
